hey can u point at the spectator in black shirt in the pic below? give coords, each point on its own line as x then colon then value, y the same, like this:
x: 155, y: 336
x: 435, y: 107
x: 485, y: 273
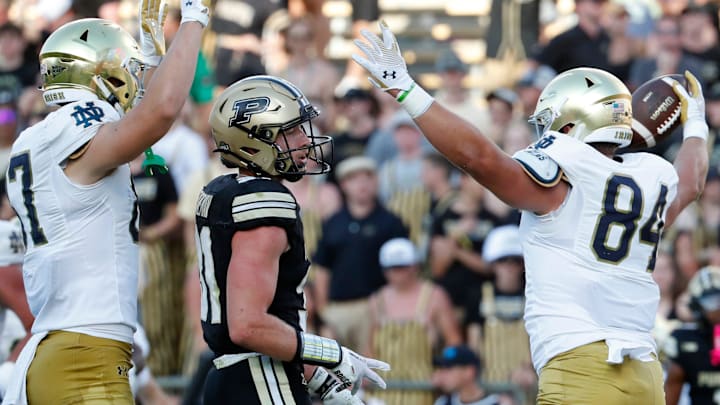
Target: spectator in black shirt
x: 586, y: 44
x: 239, y: 25
x: 457, y: 236
x: 346, y: 264
x: 160, y: 277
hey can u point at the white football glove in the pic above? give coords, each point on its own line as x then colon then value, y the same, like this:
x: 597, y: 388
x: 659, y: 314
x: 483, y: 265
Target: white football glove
x: 195, y: 10
x: 354, y: 367
x: 330, y: 390
x: 693, y: 107
x: 383, y: 60
x: 152, y: 15
x: 388, y: 70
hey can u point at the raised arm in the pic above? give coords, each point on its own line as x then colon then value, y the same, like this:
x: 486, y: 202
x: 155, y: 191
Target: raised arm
x: 691, y: 162
x: 121, y: 141
x: 461, y: 142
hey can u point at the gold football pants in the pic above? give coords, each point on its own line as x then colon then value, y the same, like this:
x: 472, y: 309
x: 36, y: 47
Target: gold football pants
x: 74, y: 368
x: 583, y: 376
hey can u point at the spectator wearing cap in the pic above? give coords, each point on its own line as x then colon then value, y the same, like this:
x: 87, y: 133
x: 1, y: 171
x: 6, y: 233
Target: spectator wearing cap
x: 495, y: 317
x: 530, y: 85
x: 345, y: 265
x: 452, y: 93
x: 457, y: 371
x: 358, y: 112
x: 400, y: 178
x: 408, y: 316
x: 665, y: 54
x: 501, y: 106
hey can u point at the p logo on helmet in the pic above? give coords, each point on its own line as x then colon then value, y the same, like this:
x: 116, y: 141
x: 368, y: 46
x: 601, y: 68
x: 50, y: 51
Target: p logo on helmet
x: 244, y: 109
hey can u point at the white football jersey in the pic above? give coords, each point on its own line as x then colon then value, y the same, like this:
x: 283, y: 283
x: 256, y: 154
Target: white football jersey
x: 588, y: 263
x: 81, y: 265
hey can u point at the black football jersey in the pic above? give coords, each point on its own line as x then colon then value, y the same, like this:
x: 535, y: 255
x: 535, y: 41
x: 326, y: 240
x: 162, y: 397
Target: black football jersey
x: 690, y: 348
x: 229, y: 204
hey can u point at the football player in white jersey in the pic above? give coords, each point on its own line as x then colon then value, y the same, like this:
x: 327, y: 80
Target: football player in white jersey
x: 591, y: 220
x: 12, y: 293
x: 69, y: 183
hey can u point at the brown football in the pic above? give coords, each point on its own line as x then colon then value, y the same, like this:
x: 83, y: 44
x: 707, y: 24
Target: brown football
x: 656, y: 111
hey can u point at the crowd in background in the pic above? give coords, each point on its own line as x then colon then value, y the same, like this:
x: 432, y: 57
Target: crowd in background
x: 458, y: 283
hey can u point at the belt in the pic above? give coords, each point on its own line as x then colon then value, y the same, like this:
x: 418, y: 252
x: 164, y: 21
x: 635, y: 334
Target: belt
x: 227, y: 360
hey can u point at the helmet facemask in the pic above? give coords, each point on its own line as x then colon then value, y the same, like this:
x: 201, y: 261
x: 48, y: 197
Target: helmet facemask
x: 122, y: 93
x: 316, y: 149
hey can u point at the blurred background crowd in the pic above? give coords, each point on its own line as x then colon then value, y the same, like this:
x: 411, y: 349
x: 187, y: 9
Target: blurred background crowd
x: 413, y: 262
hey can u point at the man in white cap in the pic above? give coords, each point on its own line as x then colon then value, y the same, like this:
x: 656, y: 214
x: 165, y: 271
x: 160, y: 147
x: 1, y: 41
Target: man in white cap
x: 408, y: 316
x: 345, y: 263
x: 495, y: 320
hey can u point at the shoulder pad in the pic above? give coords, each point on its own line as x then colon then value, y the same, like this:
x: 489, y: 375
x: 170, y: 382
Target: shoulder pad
x: 263, y: 198
x: 539, y: 166
x: 75, y: 124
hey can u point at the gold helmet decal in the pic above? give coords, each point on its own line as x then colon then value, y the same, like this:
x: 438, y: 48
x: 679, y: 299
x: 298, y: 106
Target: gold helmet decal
x: 91, y: 55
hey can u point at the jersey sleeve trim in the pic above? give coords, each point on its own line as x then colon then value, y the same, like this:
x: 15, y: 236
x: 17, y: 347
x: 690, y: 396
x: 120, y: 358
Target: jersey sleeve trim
x: 263, y: 205
x: 540, y: 167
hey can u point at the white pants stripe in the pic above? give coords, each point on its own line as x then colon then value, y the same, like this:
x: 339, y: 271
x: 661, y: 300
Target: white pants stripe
x: 261, y: 384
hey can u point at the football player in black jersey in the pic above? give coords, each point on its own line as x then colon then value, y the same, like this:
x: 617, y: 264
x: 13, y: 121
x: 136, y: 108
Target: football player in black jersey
x: 692, y: 351
x: 252, y: 259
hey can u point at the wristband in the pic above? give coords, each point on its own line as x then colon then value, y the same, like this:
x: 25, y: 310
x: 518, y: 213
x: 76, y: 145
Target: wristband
x: 415, y: 100
x: 317, y: 350
x: 696, y: 128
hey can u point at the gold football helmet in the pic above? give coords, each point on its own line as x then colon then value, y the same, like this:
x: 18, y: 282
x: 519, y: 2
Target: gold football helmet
x: 92, y: 55
x: 249, y: 120
x: 588, y: 104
